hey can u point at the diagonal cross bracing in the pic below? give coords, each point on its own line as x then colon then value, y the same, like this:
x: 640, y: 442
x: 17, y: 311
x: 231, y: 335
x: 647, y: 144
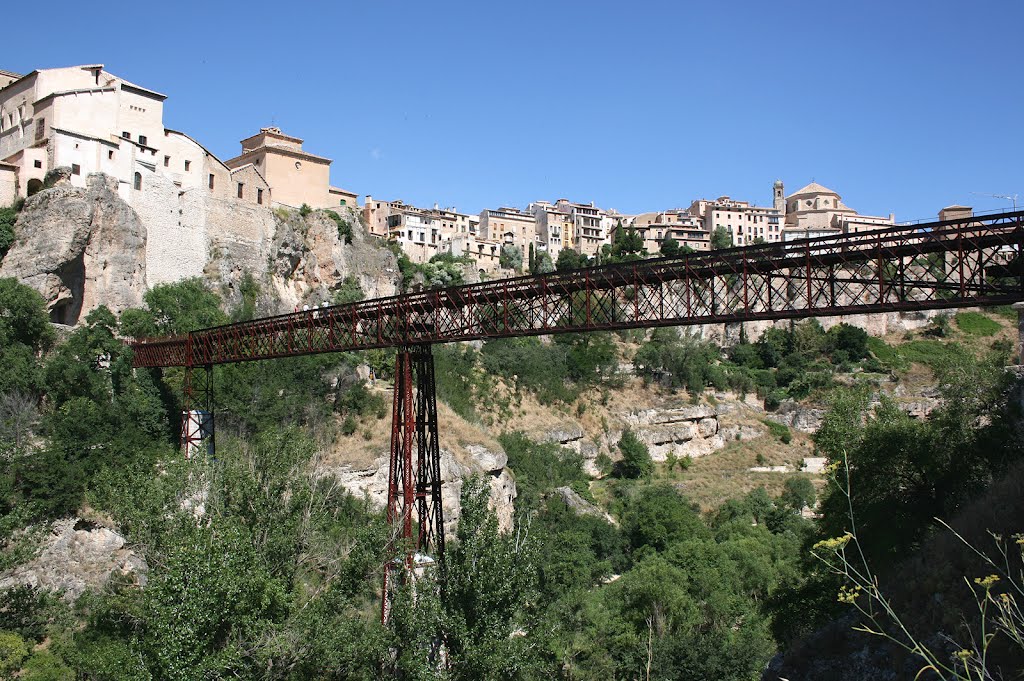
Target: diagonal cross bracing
x: 947, y: 264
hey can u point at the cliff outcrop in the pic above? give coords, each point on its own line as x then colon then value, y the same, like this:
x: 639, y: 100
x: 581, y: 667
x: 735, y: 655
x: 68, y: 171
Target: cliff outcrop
x: 85, y: 247
x: 79, y: 248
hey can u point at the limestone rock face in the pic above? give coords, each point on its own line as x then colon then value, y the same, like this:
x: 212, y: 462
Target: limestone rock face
x: 372, y: 482
x: 307, y: 260
x: 80, y: 248
x: 686, y: 431
x: 806, y: 419
x: 578, y: 504
x: 75, y: 557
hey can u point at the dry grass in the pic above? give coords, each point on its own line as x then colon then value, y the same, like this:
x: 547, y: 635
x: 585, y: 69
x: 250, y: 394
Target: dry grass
x: 725, y: 474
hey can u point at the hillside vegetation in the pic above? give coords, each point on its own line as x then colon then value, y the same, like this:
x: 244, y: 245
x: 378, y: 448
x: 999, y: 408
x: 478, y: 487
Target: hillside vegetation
x: 260, y: 566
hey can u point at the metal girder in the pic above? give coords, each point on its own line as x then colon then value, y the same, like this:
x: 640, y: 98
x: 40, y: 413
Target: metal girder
x: 414, y: 491
x: 947, y: 264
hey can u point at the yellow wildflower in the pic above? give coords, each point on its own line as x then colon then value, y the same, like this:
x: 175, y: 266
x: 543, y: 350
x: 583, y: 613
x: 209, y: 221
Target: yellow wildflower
x: 964, y: 654
x: 835, y: 543
x: 986, y: 582
x: 848, y: 596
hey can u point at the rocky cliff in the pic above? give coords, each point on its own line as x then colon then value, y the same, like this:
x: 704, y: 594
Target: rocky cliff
x: 86, y: 247
x: 80, y: 248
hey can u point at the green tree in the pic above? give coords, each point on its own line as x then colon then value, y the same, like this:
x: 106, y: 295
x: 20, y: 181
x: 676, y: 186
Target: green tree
x: 636, y: 460
x: 798, y: 492
x: 670, y: 248
x: 348, y: 291
x: 183, y: 306
x: 8, y: 216
x: 543, y: 263
x: 568, y: 260
x: 721, y: 238
x: 490, y: 586
x: 511, y: 258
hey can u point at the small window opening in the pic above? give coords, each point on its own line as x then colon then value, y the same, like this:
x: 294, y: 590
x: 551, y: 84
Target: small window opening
x: 138, y: 181
x: 127, y: 135
x: 259, y: 196
x: 211, y: 181
x: 76, y: 169
x: 143, y: 140
x: 240, y: 188
x: 188, y: 164
x: 167, y: 161
x: 110, y: 154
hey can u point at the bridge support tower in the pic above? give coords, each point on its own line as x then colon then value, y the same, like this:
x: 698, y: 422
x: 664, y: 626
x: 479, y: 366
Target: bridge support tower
x: 197, y: 423
x: 414, y: 512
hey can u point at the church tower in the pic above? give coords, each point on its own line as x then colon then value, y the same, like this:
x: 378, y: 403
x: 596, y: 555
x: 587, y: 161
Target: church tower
x: 780, y: 197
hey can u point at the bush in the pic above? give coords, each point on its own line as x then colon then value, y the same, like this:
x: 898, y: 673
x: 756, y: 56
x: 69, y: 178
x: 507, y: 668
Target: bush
x: 8, y: 216
x: 511, y: 258
x: 540, y: 468
x: 636, y: 459
x: 305, y: 210
x: 344, y: 226
x: 348, y: 291
x: 779, y: 431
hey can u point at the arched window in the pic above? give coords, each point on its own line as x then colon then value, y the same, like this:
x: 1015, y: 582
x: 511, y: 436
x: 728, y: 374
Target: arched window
x: 138, y: 181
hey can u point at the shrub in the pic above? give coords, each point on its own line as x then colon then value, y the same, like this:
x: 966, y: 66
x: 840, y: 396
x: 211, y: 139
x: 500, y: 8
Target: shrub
x: 305, y: 210
x: 344, y: 226
x: 8, y: 216
x: 636, y: 459
x: 779, y: 431
x: 348, y: 426
x: 348, y: 291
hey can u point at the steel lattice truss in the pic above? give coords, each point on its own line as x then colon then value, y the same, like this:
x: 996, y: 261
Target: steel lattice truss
x: 948, y: 264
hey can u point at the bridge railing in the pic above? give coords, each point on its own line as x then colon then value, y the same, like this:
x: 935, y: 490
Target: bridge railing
x: 948, y: 263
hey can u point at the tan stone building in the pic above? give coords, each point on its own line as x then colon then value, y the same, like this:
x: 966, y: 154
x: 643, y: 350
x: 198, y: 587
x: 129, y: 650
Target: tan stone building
x: 678, y: 224
x: 815, y: 211
x: 553, y: 226
x: 745, y: 223
x: 295, y: 176
x: 508, y: 226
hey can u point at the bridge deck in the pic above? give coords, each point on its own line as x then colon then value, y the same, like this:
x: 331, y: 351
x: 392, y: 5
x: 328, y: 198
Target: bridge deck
x: 947, y: 264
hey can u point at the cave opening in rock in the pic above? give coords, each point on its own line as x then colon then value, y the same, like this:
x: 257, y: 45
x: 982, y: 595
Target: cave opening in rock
x: 68, y: 307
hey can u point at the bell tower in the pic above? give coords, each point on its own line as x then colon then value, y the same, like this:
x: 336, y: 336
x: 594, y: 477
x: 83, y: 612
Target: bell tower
x: 780, y: 197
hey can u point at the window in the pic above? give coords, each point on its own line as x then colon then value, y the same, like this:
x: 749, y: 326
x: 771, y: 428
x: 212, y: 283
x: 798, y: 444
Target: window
x: 167, y: 161
x: 127, y: 135
x: 211, y: 181
x: 142, y: 140
x: 37, y: 164
x: 76, y: 169
x: 138, y: 181
x: 259, y: 196
x: 241, y: 187
x: 40, y: 129
x: 110, y: 154
x: 342, y: 202
x: 188, y: 164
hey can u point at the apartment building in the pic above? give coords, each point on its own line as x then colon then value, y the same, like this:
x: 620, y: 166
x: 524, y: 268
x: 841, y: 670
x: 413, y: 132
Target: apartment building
x: 590, y: 228
x: 678, y: 224
x: 508, y: 226
x: 745, y: 223
x: 554, y: 228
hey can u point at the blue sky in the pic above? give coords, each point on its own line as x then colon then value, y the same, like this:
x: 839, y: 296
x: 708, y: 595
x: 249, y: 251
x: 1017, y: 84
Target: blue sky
x: 899, y: 106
